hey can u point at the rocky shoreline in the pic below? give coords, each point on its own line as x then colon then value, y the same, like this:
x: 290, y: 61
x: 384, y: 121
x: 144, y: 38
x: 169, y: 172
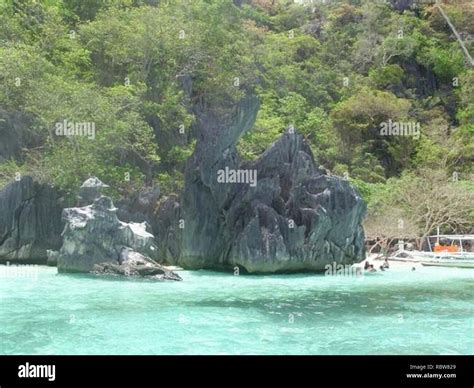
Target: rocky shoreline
x: 294, y: 217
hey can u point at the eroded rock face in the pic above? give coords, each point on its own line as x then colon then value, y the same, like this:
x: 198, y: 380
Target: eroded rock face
x: 139, y: 206
x: 134, y: 264
x: 30, y: 221
x: 204, y: 242
x: 93, y: 235
x: 96, y: 241
x: 167, y: 228
x: 90, y: 190
x: 295, y: 218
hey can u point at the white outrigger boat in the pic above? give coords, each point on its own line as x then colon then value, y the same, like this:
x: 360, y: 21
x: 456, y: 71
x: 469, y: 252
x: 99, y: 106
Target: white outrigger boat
x: 452, y: 255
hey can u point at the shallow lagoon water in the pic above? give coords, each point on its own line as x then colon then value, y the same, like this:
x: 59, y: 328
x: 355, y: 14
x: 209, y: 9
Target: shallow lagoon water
x: 428, y: 311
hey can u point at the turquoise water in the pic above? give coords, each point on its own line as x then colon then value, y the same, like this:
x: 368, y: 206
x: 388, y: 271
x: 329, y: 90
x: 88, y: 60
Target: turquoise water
x: 428, y: 311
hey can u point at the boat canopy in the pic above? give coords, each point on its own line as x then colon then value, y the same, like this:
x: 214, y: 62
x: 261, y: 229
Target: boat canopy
x: 454, y: 236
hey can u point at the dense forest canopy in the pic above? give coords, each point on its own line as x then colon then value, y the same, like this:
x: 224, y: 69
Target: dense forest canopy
x: 351, y: 76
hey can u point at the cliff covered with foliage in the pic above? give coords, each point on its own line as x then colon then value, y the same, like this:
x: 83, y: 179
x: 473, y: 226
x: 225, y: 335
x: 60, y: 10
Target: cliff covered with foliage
x: 383, y: 93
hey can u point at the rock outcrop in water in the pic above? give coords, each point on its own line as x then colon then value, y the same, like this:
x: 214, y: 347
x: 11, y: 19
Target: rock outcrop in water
x: 134, y: 264
x: 295, y: 217
x: 95, y: 240
x: 30, y: 221
x: 166, y: 227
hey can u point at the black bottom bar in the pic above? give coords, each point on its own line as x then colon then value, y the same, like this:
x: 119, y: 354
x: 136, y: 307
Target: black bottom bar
x: 315, y: 371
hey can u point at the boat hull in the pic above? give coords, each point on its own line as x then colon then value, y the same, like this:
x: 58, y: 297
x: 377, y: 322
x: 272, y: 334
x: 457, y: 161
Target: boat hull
x: 452, y: 262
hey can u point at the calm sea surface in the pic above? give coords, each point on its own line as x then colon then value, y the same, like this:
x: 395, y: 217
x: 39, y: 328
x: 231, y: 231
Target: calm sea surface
x: 428, y: 311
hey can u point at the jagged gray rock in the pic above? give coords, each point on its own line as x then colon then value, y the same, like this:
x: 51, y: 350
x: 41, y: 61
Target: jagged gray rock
x: 296, y: 218
x: 166, y: 228
x: 140, y: 205
x: 93, y: 234
x: 30, y: 221
x: 95, y: 240
x: 134, y: 264
x: 90, y: 190
x: 204, y: 243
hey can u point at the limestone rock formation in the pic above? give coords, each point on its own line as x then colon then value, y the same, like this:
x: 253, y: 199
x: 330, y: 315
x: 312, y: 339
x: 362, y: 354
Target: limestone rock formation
x: 134, y: 264
x: 90, y: 190
x: 295, y: 218
x: 30, y: 221
x: 167, y: 228
x: 93, y: 234
x: 139, y: 206
x: 95, y: 240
